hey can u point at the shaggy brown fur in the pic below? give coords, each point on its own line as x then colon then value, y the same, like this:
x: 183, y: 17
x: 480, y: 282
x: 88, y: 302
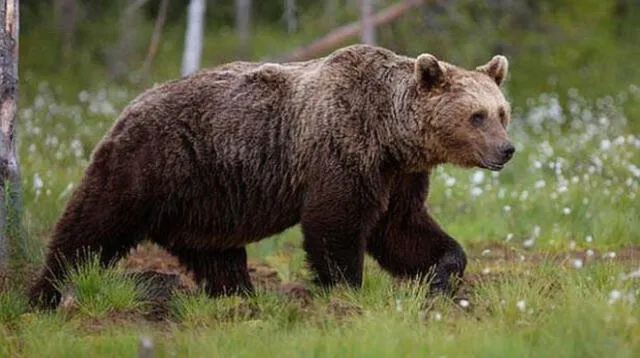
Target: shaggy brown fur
x: 343, y: 145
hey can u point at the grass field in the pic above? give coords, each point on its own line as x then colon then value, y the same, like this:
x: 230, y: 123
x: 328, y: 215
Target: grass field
x: 552, y: 239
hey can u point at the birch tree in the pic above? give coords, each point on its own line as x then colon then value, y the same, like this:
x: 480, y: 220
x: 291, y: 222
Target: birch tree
x: 367, y: 32
x: 290, y: 15
x: 243, y: 23
x: 330, y: 12
x: 10, y: 201
x: 193, y: 37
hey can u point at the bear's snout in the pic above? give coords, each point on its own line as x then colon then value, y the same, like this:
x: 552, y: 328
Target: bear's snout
x: 507, y: 151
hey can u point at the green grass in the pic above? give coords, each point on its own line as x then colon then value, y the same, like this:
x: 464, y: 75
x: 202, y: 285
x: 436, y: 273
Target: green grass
x: 526, y: 310
x: 102, y: 291
x: 12, y: 305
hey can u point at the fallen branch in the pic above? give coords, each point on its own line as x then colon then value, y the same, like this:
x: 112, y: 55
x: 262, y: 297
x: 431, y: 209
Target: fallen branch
x: 343, y: 33
x: 155, y: 39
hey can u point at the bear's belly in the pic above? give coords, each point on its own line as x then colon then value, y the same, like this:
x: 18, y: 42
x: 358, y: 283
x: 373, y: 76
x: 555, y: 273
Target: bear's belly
x: 227, y: 219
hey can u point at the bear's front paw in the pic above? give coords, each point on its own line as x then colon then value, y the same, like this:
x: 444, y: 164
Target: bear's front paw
x: 448, y: 272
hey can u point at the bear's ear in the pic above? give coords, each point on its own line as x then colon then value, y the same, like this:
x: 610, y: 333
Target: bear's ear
x: 497, y: 68
x: 429, y: 73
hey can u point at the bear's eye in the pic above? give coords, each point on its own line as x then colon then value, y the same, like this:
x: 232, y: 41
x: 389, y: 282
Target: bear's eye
x: 503, y: 117
x: 478, y: 118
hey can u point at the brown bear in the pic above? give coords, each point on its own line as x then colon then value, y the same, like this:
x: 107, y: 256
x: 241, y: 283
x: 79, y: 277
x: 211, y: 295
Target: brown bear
x: 343, y: 145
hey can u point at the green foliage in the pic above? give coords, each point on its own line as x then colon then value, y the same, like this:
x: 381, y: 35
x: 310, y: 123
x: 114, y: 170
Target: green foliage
x: 103, y: 290
x: 525, y: 310
x: 12, y: 305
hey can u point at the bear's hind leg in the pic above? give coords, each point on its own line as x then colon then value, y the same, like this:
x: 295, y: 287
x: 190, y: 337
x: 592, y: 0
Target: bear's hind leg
x: 335, y: 222
x: 222, y: 272
x: 85, y: 229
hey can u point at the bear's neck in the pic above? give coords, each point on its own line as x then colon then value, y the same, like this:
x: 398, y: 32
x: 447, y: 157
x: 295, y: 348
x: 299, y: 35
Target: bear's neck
x: 409, y: 143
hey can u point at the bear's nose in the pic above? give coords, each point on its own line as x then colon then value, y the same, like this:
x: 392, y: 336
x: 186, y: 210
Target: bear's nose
x: 507, y: 151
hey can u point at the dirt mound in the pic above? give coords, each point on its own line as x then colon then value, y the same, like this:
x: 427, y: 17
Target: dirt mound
x: 148, y: 258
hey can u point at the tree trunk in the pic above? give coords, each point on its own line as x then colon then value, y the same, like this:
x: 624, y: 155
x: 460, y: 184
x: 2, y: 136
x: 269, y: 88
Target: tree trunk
x: 290, y: 15
x: 155, y: 40
x: 10, y: 200
x: 119, y: 54
x: 367, y: 32
x: 66, y: 13
x: 243, y: 23
x: 331, y: 12
x: 341, y: 34
x: 193, y: 37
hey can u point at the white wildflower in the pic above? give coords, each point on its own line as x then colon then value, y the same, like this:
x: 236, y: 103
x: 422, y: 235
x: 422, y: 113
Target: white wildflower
x: 450, y: 181
x: 614, y: 296
x: 478, y: 177
x: 398, y: 305
x: 527, y: 244
x: 577, y: 263
x: 634, y: 274
x: 536, y: 231
x: 37, y: 182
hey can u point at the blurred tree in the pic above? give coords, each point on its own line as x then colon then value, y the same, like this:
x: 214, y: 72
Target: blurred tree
x: 243, y: 23
x: 193, y: 37
x: 10, y: 192
x: 155, y: 40
x: 290, y: 15
x: 119, y: 55
x: 330, y: 12
x: 341, y: 34
x: 66, y: 15
x: 367, y: 34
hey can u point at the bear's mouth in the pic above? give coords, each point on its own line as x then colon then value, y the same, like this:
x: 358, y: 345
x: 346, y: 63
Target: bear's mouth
x: 491, y: 165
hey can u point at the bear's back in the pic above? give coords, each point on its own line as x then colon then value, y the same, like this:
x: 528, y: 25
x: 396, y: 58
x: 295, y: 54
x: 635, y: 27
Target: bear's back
x: 221, y: 144
x: 233, y: 148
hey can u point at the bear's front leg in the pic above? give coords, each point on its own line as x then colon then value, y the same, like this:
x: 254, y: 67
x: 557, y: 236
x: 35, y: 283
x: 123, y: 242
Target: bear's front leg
x: 408, y: 242
x: 336, y: 220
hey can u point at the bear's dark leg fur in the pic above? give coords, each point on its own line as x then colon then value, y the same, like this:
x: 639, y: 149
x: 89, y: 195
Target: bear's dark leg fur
x: 221, y: 272
x: 107, y: 214
x: 408, y: 242
x: 336, y: 220
x: 87, y: 227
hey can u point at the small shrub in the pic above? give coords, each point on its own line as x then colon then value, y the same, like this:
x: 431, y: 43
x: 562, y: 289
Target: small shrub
x: 12, y: 305
x: 101, y: 290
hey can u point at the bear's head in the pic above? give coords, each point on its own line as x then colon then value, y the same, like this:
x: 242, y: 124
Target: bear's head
x: 464, y: 113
